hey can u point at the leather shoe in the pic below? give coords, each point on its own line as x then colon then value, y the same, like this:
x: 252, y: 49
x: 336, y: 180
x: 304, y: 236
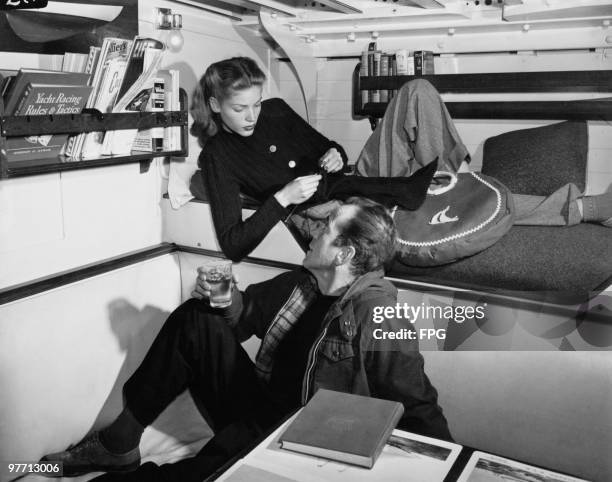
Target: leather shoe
x: 90, y: 455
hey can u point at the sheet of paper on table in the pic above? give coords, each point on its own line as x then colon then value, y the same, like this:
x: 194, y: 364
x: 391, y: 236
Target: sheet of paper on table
x: 483, y: 467
x: 406, y: 456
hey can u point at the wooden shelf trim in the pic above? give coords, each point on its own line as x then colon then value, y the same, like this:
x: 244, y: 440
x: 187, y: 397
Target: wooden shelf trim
x: 503, y: 82
x: 91, y: 121
x: 595, y: 81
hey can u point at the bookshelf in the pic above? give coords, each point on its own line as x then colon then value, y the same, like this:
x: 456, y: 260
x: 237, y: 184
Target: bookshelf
x: 88, y: 121
x: 595, y: 81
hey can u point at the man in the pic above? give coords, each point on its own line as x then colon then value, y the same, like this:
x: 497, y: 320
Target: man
x: 316, y: 329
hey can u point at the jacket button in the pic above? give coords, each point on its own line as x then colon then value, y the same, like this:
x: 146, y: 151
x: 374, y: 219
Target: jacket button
x: 272, y: 148
x: 336, y: 353
x: 292, y: 164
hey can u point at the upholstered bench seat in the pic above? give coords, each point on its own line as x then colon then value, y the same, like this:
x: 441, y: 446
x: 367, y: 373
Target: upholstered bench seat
x: 561, y: 264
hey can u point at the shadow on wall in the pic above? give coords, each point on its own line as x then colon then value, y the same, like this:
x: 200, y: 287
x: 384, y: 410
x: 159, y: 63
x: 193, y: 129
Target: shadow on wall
x: 180, y: 430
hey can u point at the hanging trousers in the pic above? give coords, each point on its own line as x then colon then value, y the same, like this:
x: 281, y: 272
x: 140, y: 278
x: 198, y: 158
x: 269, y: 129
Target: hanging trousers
x: 196, y: 350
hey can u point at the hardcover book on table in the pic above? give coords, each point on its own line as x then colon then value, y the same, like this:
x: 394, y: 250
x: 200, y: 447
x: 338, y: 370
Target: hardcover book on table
x: 344, y: 427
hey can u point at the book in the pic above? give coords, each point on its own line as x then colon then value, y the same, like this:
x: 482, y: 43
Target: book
x: 107, y: 95
x: 87, y: 144
x: 483, y: 467
x: 375, y: 94
x: 24, y: 77
x: 423, y: 62
x: 171, y: 136
x: 344, y: 427
x: 45, y: 99
x: 363, y: 72
x: 74, y: 62
x: 92, y: 59
x: 152, y: 140
x: 173, y: 103
x: 406, y: 456
x: 370, y: 68
x: 384, y: 72
x: 90, y: 65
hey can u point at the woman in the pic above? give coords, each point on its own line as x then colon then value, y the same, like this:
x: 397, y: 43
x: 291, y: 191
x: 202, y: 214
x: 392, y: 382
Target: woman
x: 263, y: 149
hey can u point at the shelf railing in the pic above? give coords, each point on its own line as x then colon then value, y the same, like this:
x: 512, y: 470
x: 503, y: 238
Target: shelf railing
x: 89, y: 120
x: 595, y: 81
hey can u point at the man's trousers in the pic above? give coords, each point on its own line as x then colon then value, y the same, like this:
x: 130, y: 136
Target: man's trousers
x: 196, y: 350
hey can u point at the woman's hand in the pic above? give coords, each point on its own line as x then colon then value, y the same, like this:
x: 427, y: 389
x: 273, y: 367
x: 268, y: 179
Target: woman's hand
x: 299, y: 190
x: 331, y: 161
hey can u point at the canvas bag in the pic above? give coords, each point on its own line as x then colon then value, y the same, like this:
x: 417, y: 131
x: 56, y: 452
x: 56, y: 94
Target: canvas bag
x: 460, y: 217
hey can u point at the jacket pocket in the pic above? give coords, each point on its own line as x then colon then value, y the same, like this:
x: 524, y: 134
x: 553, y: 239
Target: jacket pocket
x: 337, y: 350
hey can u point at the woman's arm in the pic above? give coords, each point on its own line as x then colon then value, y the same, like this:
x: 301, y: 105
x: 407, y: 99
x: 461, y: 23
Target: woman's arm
x: 236, y: 237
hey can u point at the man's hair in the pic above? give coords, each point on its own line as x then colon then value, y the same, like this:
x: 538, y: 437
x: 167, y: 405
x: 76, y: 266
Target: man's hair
x: 371, y: 231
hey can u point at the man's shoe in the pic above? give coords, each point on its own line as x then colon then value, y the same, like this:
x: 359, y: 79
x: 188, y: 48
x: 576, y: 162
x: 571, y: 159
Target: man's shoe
x: 90, y: 455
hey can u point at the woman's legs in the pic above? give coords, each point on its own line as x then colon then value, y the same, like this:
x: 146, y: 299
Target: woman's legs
x: 558, y: 209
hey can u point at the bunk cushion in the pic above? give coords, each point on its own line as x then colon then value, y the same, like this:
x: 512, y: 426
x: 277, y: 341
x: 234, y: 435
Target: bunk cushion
x: 564, y: 264
x: 567, y: 264
x: 540, y: 160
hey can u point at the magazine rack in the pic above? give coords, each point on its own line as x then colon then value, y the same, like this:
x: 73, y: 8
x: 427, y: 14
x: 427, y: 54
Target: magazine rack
x: 88, y: 121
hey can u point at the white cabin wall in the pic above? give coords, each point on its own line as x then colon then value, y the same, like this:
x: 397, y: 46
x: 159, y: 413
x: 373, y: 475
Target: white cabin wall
x: 65, y: 353
x: 54, y: 222
x: 334, y: 102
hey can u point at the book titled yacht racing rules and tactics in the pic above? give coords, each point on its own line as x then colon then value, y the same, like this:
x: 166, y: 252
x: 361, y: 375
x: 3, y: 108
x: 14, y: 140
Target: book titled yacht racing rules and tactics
x: 405, y: 456
x: 34, y: 92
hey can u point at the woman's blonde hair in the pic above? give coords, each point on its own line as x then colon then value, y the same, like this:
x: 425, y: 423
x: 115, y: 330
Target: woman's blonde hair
x: 220, y: 80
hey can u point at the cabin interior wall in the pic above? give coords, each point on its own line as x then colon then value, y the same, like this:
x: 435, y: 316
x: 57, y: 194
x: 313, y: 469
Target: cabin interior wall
x: 65, y: 354
x: 54, y: 222
x: 552, y: 409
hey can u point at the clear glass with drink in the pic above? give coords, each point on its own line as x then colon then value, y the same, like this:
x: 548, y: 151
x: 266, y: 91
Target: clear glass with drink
x: 219, y: 277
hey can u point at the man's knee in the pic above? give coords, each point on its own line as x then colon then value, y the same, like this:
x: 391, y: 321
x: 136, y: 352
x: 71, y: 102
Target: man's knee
x: 197, y: 315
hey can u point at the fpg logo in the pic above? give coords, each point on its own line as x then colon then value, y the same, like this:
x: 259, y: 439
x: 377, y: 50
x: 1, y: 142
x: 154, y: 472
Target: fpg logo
x: 21, y: 4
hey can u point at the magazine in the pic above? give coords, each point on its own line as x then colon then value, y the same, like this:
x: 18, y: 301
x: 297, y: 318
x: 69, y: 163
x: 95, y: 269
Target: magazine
x: 483, y: 467
x: 88, y: 145
x: 140, y: 74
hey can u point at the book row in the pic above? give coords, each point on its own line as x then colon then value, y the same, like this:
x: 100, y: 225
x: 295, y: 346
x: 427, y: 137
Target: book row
x: 120, y: 76
x: 375, y: 63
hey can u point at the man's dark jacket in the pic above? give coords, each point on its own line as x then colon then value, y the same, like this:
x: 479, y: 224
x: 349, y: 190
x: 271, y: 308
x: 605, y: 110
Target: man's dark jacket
x: 345, y: 355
